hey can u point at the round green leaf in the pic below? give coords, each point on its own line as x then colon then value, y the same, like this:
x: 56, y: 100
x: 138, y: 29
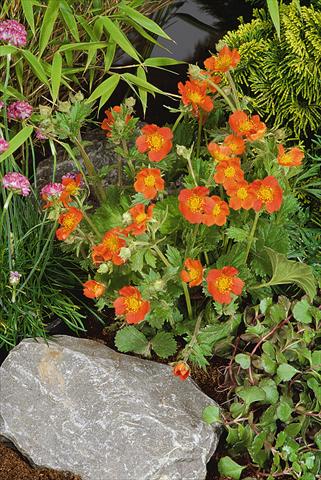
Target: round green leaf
x: 229, y: 468
x: 211, y: 414
x: 243, y: 360
x: 285, y: 372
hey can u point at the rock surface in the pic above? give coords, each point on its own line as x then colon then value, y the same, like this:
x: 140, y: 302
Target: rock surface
x: 76, y: 405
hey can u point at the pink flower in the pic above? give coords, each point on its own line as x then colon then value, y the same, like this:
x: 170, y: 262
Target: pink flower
x: 4, y: 145
x: 19, y: 110
x: 74, y: 176
x: 1, y: 105
x: 13, y: 32
x: 40, y: 135
x: 51, y: 191
x: 17, y: 183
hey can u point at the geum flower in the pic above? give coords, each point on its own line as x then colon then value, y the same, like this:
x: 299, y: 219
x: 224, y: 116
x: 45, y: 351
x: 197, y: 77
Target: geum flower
x: 194, y: 93
x: 109, y: 248
x: 221, y: 283
x: 140, y: 218
x: 191, y: 203
x: 69, y: 221
x: 93, y: 289
x: 228, y: 173
x: 220, y: 153
x: 181, y: 370
x: 193, y: 274
x: 157, y: 141
x: 4, y: 145
x: 250, y: 127
x: 19, y: 110
x: 131, y: 305
x: 13, y: 32
x: 242, y: 195
x: 268, y: 194
x: 290, y: 158
x: 235, y: 144
x: 216, y: 211
x: 71, y: 186
x: 149, y: 182
x: 109, y: 121
x: 206, y: 78
x: 224, y: 61
x: 17, y: 183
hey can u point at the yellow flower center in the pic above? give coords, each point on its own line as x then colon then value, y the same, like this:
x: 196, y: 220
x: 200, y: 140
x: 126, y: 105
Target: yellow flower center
x: 224, y: 283
x: 265, y: 194
x: 229, y: 172
x: 193, y: 274
x: 141, y: 217
x: 70, y: 221
x: 232, y: 147
x: 155, y: 141
x: 112, y: 244
x: 286, y: 158
x: 245, y: 126
x: 223, y: 61
x: 242, y: 193
x: 150, y: 181
x: 195, y: 97
x: 216, y: 210
x: 195, y: 203
x: 133, y: 304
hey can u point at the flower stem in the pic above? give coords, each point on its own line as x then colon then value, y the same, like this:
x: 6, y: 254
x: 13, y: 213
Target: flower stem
x: 223, y: 94
x: 234, y: 91
x: 191, y: 170
x: 88, y: 219
x: 5, y: 208
x: 178, y: 119
x: 191, y: 344
x: 188, y: 301
x: 129, y: 162
x: 251, y: 237
x: 161, y: 255
x: 199, y: 134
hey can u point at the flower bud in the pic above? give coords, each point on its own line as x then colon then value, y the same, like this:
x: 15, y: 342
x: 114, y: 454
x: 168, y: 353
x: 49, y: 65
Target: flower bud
x: 125, y: 253
x: 14, y: 278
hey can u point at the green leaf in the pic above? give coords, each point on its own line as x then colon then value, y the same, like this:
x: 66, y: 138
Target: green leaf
x: 271, y: 390
x: 284, y: 411
x: 288, y: 271
x: 268, y: 364
x: 302, y: 312
x: 285, y: 372
x: 316, y: 360
x: 211, y: 414
x: 317, y: 439
x: 16, y: 142
x: 161, y: 62
x: 27, y: 8
x: 7, y: 50
x: 129, y: 339
x: 36, y: 66
x: 237, y: 234
x: 243, y: 360
x: 105, y: 89
x: 69, y: 19
x: 174, y: 256
x: 164, y: 344
x: 47, y: 25
x: 142, y: 92
x: 56, y: 75
x: 251, y: 394
x: 273, y: 6
x: 130, y: 78
x: 229, y: 468
x: 137, y: 261
x: 119, y: 37
x: 150, y: 259
x: 142, y: 20
x: 109, y: 55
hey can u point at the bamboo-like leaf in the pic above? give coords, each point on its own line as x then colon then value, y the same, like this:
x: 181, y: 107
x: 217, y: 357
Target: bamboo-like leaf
x: 146, y: 35
x: 273, y: 6
x: 105, y: 89
x: 7, y: 50
x: 144, y: 21
x: 56, y: 71
x: 110, y: 55
x: 119, y: 37
x: 48, y: 24
x: 142, y: 92
x: 36, y: 66
x: 161, y: 62
x: 82, y: 46
x: 130, y: 78
x: 27, y: 7
x: 16, y: 142
x: 69, y: 19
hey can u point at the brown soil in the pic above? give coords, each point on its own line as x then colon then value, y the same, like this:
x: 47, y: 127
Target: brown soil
x: 14, y: 467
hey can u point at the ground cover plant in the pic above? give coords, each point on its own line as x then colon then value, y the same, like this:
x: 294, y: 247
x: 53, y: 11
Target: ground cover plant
x: 197, y: 249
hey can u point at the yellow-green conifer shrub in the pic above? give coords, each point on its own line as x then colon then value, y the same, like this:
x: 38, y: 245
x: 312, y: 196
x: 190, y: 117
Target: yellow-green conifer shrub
x: 282, y: 77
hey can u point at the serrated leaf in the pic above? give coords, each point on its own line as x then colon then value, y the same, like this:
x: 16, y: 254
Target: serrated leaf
x: 174, y: 256
x: 150, y: 259
x: 164, y: 344
x: 211, y: 414
x: 237, y: 234
x: 243, y: 360
x: 285, y: 372
x: 302, y: 311
x: 129, y: 339
x: 229, y: 468
x: 137, y: 261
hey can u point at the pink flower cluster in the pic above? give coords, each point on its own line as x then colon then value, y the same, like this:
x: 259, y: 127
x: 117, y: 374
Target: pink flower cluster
x: 51, y: 191
x: 4, y: 145
x: 19, y: 110
x: 17, y: 183
x: 13, y: 32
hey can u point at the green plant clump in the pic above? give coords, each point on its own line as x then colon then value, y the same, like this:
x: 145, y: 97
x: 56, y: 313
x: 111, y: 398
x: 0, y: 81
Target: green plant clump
x: 282, y: 77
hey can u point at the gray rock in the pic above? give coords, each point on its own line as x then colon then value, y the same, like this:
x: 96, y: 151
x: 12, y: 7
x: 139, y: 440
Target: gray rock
x: 76, y: 405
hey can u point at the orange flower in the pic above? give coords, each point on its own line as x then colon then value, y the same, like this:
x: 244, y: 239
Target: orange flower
x: 235, y: 144
x: 242, y: 195
x: 224, y: 61
x: 193, y: 273
x: 181, y: 370
x: 220, y: 153
x: 156, y: 140
x: 191, y: 203
x: 222, y: 282
x: 71, y: 187
x: 110, y: 247
x: 140, y: 218
x: 250, y: 127
x: 194, y: 94
x: 229, y: 173
x: 291, y: 158
x: 149, y: 182
x: 131, y: 305
x: 207, y: 79
x: 69, y: 221
x: 93, y: 289
x: 108, y: 122
x: 216, y: 211
x: 268, y: 194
